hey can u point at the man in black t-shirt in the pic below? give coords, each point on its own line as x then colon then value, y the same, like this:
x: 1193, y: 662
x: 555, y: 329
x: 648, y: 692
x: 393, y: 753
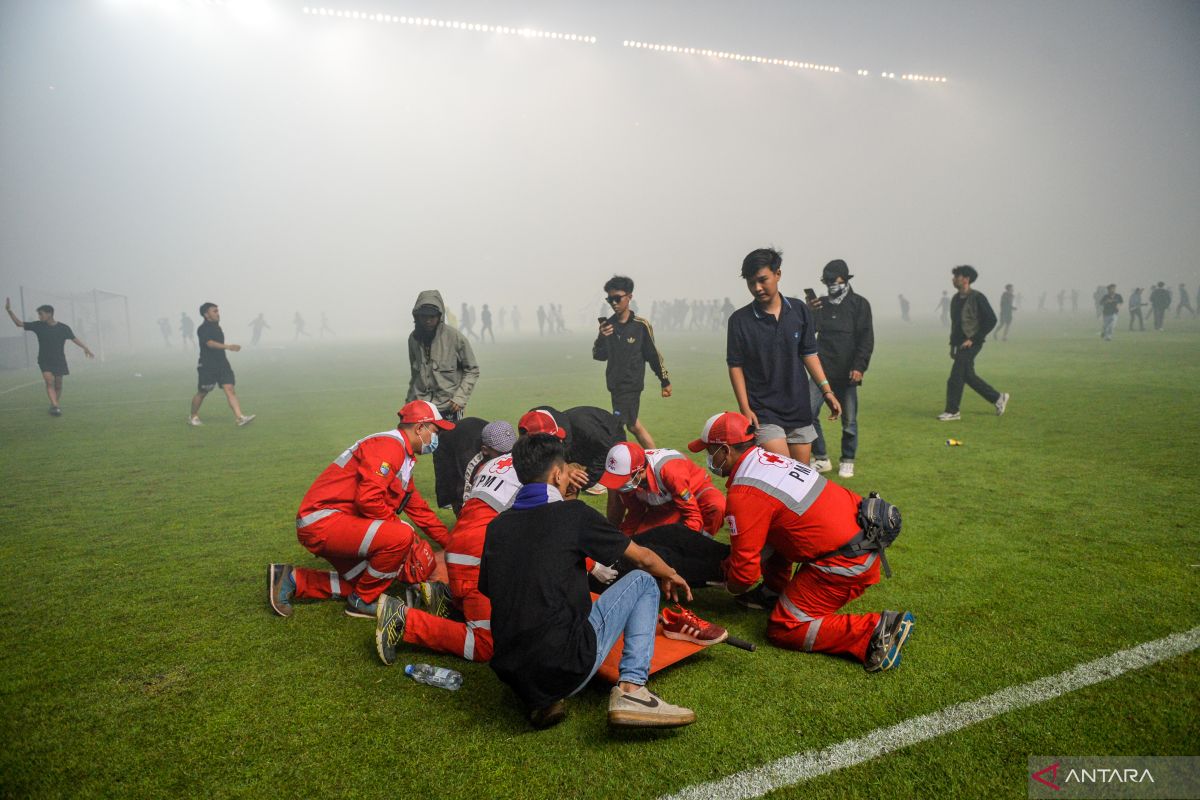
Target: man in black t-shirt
x: 549, y: 637
x: 213, y: 369
x: 52, y: 359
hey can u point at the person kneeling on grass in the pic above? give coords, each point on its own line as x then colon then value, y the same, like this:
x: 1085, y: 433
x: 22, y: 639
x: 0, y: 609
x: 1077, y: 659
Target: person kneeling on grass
x: 548, y: 637
x: 349, y: 518
x: 783, y: 508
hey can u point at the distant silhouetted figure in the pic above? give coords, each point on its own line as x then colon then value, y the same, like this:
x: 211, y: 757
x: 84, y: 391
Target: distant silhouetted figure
x: 1110, y: 306
x: 1098, y: 297
x: 516, y: 319
x: 164, y: 325
x: 1135, y: 309
x: 1184, y: 302
x: 541, y: 315
x: 298, y: 321
x: 943, y: 308
x: 187, y: 329
x: 1160, y: 301
x: 904, y: 307
x: 1074, y: 301
x: 503, y: 314
x: 485, y: 323
x: 1007, y: 307
x: 325, y: 326
x: 467, y: 322
x: 1062, y: 301
x: 256, y: 326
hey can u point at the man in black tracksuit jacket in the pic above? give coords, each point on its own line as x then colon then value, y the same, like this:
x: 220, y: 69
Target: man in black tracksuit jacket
x: 626, y: 342
x: 971, y: 320
x: 845, y: 341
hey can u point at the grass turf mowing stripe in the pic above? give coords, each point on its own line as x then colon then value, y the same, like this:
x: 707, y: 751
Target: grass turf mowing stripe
x: 800, y: 767
x: 22, y: 386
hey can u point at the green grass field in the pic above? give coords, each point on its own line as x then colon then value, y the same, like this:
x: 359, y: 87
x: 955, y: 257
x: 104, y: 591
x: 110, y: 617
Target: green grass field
x: 140, y: 659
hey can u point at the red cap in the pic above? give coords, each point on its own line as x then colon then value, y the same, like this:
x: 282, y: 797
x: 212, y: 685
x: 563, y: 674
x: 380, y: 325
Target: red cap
x: 540, y: 421
x: 728, y: 427
x: 624, y: 459
x: 421, y: 411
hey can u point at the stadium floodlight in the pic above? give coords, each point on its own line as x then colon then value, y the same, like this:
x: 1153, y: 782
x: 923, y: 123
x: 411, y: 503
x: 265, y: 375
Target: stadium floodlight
x: 457, y: 25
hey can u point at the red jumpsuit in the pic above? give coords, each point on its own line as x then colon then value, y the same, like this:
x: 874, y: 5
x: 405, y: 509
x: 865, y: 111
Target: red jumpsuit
x: 348, y: 517
x: 493, y: 489
x: 784, y: 512
x: 676, y: 490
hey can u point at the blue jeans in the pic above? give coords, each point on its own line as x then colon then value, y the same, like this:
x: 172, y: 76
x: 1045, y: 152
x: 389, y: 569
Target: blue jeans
x: 1110, y: 322
x: 848, y: 397
x: 629, y: 606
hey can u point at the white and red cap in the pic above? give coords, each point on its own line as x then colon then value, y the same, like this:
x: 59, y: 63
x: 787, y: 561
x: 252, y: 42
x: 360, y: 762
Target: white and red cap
x: 623, y: 459
x: 728, y: 427
x: 422, y: 411
x: 540, y: 421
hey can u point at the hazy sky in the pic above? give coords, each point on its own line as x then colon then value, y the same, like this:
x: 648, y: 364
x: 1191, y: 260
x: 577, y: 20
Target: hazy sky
x: 271, y: 160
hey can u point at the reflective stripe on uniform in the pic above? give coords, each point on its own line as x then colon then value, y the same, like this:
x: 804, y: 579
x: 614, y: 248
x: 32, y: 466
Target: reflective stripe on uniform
x: 381, y: 575
x: 848, y: 572
x: 462, y: 560
x: 811, y: 637
x: 335, y: 584
x: 368, y: 536
x: 356, y: 570
x: 797, y: 505
x: 469, y: 645
x: 793, y: 609
x: 316, y: 516
x: 481, y: 624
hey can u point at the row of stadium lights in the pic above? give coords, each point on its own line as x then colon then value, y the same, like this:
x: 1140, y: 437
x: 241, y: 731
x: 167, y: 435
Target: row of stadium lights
x: 426, y: 22
x: 692, y: 51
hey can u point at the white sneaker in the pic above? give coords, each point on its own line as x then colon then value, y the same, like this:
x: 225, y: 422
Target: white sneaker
x: 246, y: 420
x: 846, y: 469
x: 194, y: 422
x: 821, y: 464
x: 1001, y: 403
x: 946, y: 416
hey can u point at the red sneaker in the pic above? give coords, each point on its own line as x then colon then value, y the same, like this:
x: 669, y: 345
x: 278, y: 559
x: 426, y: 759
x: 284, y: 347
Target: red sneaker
x: 679, y: 623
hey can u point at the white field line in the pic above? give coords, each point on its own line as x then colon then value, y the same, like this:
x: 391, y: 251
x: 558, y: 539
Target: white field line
x: 22, y: 386
x: 800, y: 767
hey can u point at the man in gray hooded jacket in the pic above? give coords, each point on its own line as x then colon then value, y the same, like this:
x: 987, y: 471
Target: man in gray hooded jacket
x: 444, y: 369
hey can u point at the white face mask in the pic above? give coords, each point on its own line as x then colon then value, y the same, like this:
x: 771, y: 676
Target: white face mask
x: 838, y: 289
x: 708, y: 459
x: 427, y: 449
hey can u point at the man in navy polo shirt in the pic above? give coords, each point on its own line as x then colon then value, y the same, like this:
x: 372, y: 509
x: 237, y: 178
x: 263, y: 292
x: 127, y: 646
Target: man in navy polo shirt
x: 770, y: 347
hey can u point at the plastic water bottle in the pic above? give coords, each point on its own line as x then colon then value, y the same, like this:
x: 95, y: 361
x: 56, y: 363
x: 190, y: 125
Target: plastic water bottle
x: 434, y: 676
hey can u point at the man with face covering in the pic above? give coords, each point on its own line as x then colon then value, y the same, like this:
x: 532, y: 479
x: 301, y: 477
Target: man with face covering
x: 650, y: 488
x: 782, y: 513
x: 845, y: 341
x: 444, y: 369
x: 349, y: 517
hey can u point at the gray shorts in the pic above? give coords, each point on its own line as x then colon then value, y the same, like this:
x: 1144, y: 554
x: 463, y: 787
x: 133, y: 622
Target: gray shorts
x: 805, y: 435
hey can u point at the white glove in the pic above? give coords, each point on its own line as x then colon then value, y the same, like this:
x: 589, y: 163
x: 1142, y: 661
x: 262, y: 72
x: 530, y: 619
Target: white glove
x: 605, y: 575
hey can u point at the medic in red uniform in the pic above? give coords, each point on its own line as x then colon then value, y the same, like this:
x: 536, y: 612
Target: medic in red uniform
x: 649, y: 488
x: 493, y: 489
x: 349, y: 518
x: 780, y: 513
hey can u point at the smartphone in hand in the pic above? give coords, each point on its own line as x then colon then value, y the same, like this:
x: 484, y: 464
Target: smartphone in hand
x: 810, y: 295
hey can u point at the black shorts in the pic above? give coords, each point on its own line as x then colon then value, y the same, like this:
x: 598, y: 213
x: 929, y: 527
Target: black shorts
x: 211, y: 377
x: 626, y: 406
x: 57, y: 368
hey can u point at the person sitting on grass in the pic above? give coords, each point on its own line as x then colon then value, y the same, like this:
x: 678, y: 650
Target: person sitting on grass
x: 549, y: 638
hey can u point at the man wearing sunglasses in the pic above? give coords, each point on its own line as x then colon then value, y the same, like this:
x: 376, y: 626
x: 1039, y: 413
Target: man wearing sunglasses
x: 626, y: 342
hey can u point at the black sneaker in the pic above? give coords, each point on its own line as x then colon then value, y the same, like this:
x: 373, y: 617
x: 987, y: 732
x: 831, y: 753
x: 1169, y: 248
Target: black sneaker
x: 890, y: 634
x: 390, y: 613
x: 548, y: 716
x: 281, y: 588
x: 359, y: 609
x: 55, y: 411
